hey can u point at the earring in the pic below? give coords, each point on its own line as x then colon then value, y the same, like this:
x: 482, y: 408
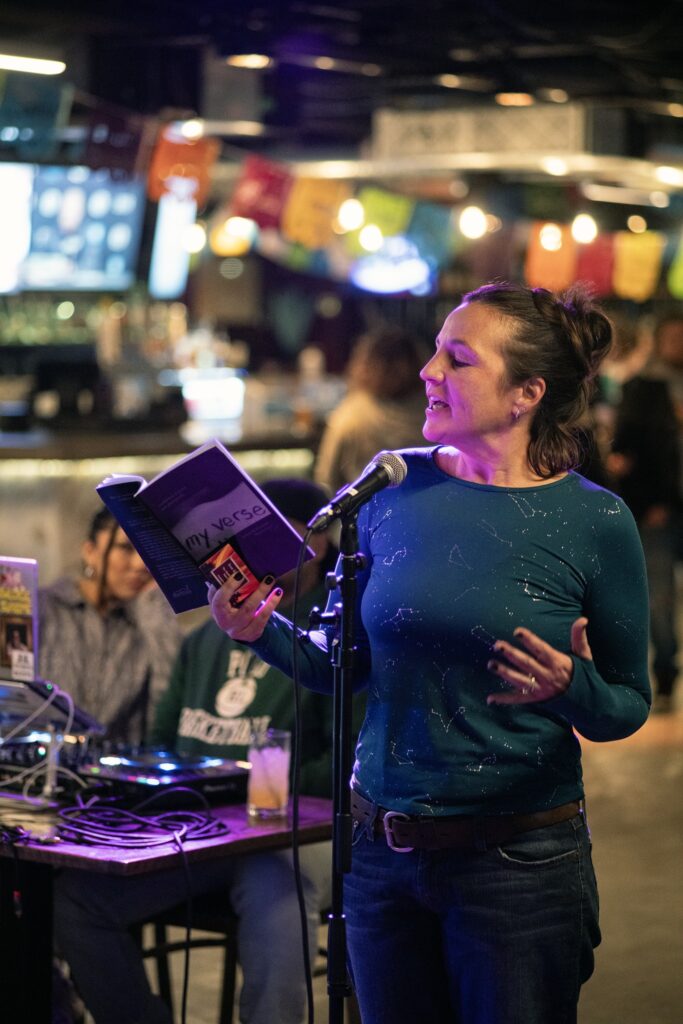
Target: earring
x: 516, y: 412
x: 89, y: 572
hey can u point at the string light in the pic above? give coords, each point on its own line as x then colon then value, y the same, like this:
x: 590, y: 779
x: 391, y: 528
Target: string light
x: 371, y: 238
x: 514, y: 99
x: 195, y: 238
x: 550, y: 237
x: 584, y: 228
x: 351, y: 215
x: 472, y: 222
x: 636, y: 224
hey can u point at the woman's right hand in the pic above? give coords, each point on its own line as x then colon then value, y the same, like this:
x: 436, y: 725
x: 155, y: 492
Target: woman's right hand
x: 246, y: 621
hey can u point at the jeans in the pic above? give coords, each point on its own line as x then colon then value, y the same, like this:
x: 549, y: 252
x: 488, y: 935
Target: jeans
x: 660, y: 549
x: 93, y: 913
x: 503, y: 936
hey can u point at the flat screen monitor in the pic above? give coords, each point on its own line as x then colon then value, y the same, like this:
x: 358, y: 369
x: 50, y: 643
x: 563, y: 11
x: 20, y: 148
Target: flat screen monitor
x: 36, y: 699
x: 69, y: 228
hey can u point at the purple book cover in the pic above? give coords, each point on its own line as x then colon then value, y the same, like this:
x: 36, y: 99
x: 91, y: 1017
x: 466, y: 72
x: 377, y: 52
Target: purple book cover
x: 190, y: 512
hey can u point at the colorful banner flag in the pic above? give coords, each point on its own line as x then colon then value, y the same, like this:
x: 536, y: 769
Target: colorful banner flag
x: 431, y: 230
x: 551, y: 264
x: 637, y: 264
x: 595, y: 264
x: 261, y: 191
x: 310, y: 210
x: 675, y: 276
x: 189, y: 159
x: 388, y: 211
x: 494, y: 255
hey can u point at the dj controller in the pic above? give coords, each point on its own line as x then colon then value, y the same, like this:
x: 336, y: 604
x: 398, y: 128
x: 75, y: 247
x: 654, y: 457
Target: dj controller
x: 136, y: 776
x: 129, y: 777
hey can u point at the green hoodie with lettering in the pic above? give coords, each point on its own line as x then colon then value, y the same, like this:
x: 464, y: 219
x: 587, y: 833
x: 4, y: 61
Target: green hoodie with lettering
x: 220, y: 691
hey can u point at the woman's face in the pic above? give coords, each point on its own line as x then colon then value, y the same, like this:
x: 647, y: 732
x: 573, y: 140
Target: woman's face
x: 468, y: 398
x: 126, y: 574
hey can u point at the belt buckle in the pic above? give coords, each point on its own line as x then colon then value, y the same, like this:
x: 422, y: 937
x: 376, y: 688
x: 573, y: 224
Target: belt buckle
x: 391, y: 842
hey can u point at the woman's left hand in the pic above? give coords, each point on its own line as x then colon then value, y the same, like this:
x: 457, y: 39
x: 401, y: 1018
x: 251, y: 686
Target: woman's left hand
x: 538, y: 671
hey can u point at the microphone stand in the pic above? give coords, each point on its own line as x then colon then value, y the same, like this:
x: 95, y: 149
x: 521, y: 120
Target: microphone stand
x: 342, y: 657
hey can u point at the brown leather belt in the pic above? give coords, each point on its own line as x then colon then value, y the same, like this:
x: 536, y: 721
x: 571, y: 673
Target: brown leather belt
x: 434, y: 832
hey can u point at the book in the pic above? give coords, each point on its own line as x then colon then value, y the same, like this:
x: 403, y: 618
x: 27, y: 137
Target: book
x: 18, y: 617
x: 202, y: 520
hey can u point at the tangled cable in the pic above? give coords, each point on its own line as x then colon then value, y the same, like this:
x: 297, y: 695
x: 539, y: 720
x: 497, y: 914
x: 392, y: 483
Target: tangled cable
x: 94, y: 824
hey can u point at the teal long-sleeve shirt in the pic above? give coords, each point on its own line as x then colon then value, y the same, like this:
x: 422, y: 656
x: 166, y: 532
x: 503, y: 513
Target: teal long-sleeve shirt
x: 453, y: 566
x: 220, y: 691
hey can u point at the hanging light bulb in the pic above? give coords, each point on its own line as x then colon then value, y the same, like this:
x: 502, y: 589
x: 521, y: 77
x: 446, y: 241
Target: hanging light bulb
x: 472, y: 222
x: 550, y: 237
x: 351, y: 215
x: 584, y: 228
x: 371, y: 238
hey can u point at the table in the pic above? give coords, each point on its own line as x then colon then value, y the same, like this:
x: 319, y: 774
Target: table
x: 26, y: 941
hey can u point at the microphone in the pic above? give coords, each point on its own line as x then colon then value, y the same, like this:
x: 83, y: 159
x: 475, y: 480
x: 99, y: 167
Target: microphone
x: 387, y: 469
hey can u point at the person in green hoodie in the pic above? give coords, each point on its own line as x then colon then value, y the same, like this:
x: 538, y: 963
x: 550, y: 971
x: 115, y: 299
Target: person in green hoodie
x: 219, y: 693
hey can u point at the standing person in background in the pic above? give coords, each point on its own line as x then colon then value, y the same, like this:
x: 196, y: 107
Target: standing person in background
x: 646, y: 466
x: 502, y: 608
x: 109, y: 637
x: 219, y: 693
x: 384, y: 407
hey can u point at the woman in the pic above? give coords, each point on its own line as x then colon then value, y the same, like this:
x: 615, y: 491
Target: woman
x: 502, y: 607
x: 108, y: 637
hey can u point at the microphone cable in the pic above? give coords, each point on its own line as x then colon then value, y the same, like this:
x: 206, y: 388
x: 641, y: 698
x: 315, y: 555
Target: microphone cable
x: 297, y: 637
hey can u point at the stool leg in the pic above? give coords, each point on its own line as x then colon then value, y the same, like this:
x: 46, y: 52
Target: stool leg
x: 162, y: 965
x: 229, y: 973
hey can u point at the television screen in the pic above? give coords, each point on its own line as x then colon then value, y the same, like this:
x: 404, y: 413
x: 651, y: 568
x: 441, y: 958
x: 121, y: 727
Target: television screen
x: 74, y: 229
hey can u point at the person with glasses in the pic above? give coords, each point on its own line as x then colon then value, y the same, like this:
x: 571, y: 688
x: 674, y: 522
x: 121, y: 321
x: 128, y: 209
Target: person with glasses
x: 108, y: 637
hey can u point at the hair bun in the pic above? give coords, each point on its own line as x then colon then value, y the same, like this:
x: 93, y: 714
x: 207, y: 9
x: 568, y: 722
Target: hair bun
x: 588, y: 328
x: 573, y: 314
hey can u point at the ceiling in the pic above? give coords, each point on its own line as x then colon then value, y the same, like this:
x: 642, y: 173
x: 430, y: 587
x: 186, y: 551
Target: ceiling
x: 336, y: 62
x: 147, y: 56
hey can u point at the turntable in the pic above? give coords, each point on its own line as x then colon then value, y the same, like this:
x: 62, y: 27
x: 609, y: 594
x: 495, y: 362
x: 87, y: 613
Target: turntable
x: 138, y: 775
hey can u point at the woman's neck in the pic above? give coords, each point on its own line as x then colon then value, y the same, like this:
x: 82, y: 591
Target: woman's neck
x: 497, y: 470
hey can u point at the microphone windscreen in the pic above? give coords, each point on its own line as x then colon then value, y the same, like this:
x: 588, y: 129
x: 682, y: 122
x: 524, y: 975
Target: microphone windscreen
x: 394, y: 465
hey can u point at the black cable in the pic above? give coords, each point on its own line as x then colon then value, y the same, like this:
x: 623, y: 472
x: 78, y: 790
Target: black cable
x: 189, y: 914
x: 96, y: 824
x: 296, y: 782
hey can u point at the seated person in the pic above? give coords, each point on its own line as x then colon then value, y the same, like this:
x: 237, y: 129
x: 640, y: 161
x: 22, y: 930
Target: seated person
x: 219, y: 691
x: 108, y: 637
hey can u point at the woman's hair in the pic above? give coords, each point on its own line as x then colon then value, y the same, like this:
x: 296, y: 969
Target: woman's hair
x: 387, y: 362
x: 101, y: 520
x: 563, y: 339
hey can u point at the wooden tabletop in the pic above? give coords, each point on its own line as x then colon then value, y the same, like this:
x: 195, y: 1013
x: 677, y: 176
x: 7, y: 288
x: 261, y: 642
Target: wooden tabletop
x: 245, y: 835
